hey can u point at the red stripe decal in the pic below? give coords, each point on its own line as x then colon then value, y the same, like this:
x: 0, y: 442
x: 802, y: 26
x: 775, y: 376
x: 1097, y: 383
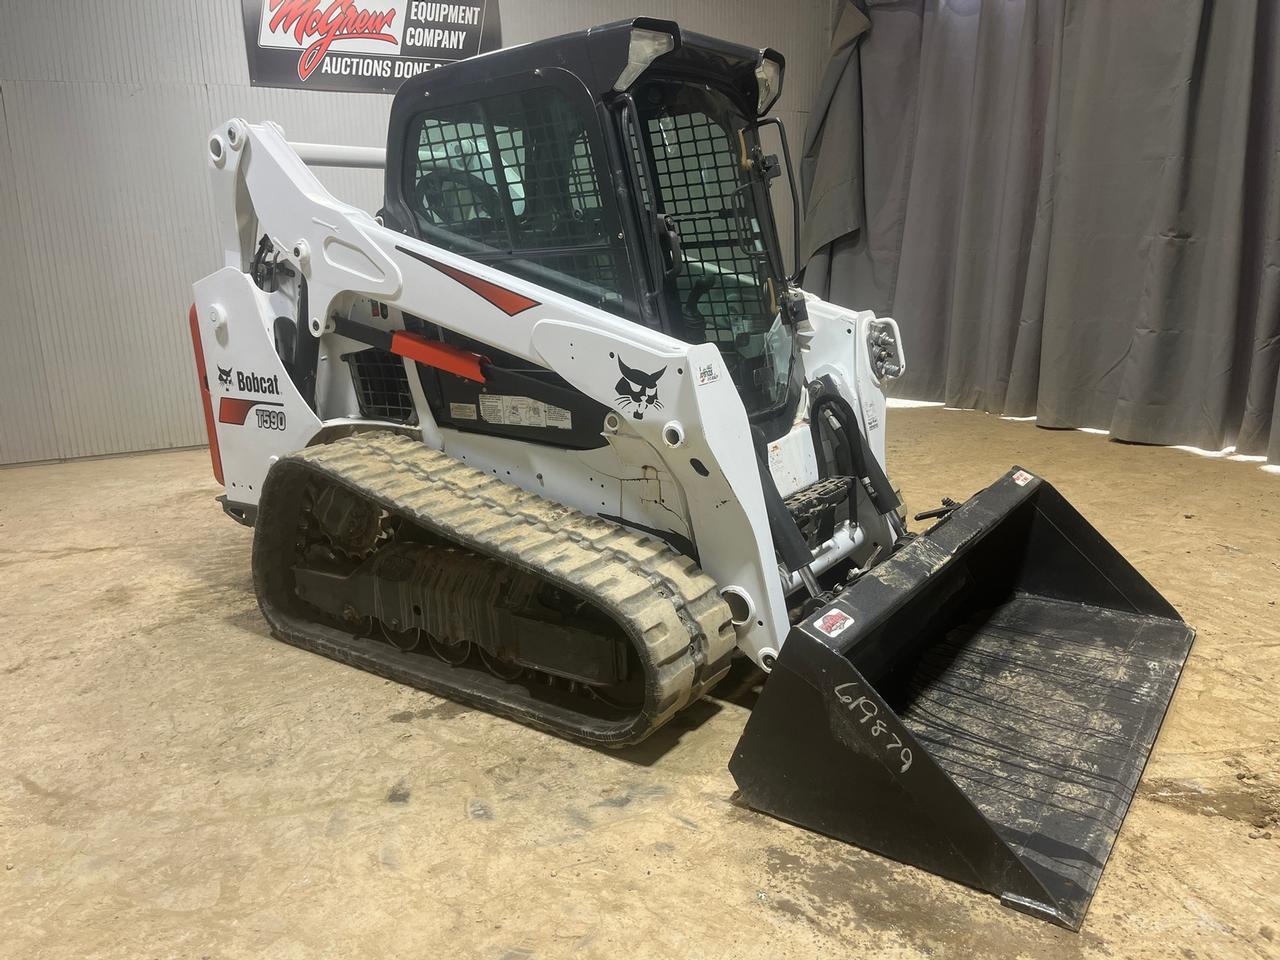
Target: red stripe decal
x: 203, y: 378
x: 235, y: 409
x: 442, y: 356
x: 508, y: 301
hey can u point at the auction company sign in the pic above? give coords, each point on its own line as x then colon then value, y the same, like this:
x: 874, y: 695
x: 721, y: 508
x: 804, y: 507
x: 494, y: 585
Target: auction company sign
x: 364, y: 45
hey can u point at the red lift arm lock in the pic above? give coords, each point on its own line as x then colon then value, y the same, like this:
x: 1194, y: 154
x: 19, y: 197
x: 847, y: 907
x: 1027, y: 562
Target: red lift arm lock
x: 442, y: 356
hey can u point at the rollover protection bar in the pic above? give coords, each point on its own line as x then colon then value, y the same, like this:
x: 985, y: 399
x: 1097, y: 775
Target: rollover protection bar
x: 340, y: 155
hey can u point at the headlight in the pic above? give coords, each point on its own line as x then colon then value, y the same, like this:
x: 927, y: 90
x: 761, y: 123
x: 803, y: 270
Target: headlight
x: 769, y: 83
x: 646, y: 47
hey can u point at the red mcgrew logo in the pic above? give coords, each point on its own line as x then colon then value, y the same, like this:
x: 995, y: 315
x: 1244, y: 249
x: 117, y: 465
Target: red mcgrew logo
x: 340, y: 20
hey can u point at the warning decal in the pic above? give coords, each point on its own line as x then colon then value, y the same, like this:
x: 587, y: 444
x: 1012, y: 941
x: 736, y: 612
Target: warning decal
x: 559, y: 417
x: 523, y: 412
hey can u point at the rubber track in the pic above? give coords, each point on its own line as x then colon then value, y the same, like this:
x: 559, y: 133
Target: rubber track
x: 669, y: 608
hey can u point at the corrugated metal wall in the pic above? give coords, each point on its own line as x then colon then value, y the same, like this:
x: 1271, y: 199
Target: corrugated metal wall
x: 105, y: 214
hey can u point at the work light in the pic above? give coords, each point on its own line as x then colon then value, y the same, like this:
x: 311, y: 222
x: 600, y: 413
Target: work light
x: 646, y: 47
x: 768, y: 82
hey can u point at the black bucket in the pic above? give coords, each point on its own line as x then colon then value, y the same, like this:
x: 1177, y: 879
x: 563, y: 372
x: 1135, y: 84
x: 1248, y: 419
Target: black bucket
x: 980, y: 705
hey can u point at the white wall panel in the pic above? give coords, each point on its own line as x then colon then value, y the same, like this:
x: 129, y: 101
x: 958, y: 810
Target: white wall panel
x: 105, y: 214
x: 141, y: 41
x: 26, y: 420
x: 116, y: 215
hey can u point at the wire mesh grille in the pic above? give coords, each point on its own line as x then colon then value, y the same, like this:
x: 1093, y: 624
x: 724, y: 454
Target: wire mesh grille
x: 637, y: 159
x: 584, y: 189
x: 454, y: 184
x: 727, y: 282
x: 545, y: 153
x: 723, y: 284
x: 381, y: 384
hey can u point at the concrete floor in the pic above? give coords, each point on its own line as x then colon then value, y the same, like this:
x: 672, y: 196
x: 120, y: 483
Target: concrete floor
x: 174, y: 783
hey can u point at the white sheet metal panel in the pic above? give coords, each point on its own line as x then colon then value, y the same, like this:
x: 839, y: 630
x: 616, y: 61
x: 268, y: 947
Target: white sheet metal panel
x: 106, y: 207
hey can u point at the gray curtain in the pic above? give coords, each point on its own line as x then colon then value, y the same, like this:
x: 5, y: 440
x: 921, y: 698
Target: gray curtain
x: 1072, y: 207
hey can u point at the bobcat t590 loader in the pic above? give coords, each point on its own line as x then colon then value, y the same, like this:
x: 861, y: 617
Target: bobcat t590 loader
x: 555, y: 434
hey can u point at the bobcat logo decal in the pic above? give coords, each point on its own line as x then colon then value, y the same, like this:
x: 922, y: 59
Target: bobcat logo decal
x: 224, y: 375
x: 638, y: 389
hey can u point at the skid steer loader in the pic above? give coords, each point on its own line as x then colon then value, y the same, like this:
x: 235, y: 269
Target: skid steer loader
x: 556, y: 434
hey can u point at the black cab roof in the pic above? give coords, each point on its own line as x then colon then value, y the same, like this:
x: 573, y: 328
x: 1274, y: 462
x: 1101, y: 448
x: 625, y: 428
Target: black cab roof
x: 596, y: 57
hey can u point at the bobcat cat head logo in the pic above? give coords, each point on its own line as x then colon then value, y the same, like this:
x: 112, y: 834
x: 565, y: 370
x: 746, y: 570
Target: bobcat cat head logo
x: 638, y: 389
x: 224, y: 375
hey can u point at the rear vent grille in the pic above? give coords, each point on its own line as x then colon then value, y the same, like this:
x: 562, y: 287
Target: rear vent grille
x: 382, y: 388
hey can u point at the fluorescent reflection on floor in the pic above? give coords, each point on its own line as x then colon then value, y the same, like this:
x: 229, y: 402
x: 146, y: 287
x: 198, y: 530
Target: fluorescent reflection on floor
x: 1227, y: 453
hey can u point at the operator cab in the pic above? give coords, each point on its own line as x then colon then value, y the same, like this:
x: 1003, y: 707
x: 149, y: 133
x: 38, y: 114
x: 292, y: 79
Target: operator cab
x: 620, y: 166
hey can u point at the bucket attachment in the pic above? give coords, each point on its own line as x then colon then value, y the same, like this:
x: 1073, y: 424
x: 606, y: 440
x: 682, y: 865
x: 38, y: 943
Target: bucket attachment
x: 980, y: 705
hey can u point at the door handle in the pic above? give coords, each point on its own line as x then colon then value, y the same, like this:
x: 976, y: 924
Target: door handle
x: 669, y: 240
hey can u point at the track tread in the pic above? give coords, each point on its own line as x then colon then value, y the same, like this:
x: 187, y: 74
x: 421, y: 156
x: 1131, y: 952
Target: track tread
x: 669, y: 607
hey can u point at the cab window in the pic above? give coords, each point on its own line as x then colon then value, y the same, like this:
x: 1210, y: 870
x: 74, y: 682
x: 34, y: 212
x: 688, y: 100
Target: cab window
x: 512, y: 180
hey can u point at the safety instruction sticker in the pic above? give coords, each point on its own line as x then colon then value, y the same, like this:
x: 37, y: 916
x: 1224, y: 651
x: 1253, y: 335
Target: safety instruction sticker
x: 870, y: 416
x: 833, y: 623
x: 1022, y: 478
x: 462, y: 411
x: 523, y: 412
